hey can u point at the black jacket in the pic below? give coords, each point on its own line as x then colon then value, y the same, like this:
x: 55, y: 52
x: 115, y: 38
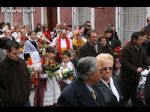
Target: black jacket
x: 14, y: 82
x: 77, y: 94
x: 88, y: 50
x: 109, y: 98
x: 147, y: 91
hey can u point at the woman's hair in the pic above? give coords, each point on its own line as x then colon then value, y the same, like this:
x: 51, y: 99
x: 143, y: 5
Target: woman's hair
x: 85, y: 67
x: 103, y: 57
x: 108, y: 30
x: 100, y: 37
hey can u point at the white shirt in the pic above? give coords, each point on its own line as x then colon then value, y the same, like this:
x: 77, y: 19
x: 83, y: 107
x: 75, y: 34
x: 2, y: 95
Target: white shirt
x: 63, y: 43
x: 15, y: 35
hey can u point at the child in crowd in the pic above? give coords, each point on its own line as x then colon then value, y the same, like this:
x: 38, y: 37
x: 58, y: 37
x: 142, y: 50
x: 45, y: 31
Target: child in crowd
x: 67, y: 70
x: 73, y: 57
x: 48, y: 90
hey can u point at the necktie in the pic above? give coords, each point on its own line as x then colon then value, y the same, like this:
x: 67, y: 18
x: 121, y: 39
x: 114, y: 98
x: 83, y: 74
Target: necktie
x: 93, y: 94
x: 96, y: 49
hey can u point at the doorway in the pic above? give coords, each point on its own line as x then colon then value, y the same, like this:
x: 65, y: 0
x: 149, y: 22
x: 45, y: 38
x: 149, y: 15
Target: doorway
x: 51, y: 17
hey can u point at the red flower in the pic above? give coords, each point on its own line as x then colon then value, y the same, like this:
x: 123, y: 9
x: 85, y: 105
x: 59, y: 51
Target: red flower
x: 117, y: 50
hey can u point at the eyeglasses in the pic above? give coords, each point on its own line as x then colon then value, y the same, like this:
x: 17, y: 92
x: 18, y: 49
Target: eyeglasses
x: 106, y: 68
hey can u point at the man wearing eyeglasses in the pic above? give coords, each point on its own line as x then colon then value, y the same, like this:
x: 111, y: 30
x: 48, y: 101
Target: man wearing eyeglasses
x: 133, y: 60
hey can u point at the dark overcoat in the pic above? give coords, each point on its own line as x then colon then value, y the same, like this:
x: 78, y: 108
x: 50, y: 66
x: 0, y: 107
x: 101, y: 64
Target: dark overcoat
x: 77, y: 94
x: 109, y: 98
x: 88, y: 50
x: 15, y: 82
x: 130, y: 60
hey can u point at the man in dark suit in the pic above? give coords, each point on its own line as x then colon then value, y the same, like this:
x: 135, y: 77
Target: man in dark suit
x: 84, y: 90
x: 92, y: 47
x: 133, y: 60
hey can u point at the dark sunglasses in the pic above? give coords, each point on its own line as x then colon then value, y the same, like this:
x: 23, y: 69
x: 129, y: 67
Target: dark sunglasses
x: 106, y: 68
x: 89, y: 25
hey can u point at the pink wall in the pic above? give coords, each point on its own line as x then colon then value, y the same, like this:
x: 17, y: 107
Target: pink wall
x: 66, y: 15
x: 37, y: 16
x: 2, y: 17
x: 103, y: 17
x: 17, y: 16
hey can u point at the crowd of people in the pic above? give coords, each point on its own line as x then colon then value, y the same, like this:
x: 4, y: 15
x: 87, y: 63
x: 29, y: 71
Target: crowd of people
x: 73, y: 66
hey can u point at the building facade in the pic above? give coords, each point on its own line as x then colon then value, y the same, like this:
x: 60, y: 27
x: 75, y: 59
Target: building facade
x: 126, y: 19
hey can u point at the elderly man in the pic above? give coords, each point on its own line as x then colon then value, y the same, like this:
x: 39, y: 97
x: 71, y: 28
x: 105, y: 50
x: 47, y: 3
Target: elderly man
x: 83, y: 91
x: 62, y: 43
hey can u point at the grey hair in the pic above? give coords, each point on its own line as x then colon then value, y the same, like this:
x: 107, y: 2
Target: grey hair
x: 85, y: 67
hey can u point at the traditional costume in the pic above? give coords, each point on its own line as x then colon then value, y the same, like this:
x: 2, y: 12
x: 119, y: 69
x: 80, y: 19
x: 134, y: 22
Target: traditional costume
x: 77, y: 41
x: 30, y: 48
x: 62, y: 44
x: 48, y: 90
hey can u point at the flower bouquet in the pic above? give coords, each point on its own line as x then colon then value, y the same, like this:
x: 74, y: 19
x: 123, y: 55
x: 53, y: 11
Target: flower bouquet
x: 51, y: 67
x: 117, y: 51
x: 43, y: 43
x: 67, y: 73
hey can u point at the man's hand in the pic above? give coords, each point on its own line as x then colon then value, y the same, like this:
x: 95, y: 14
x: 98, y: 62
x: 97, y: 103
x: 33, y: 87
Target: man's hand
x: 139, y: 69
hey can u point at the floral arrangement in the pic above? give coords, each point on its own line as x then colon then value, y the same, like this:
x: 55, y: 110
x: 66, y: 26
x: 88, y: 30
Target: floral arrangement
x: 43, y: 43
x: 117, y: 51
x: 66, y: 73
x: 51, y: 67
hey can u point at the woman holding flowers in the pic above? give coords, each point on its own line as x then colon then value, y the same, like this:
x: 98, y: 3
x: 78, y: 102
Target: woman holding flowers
x: 48, y: 89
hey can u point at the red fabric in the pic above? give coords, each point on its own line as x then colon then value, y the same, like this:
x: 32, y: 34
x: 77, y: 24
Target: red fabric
x: 39, y: 93
x: 23, y: 38
x: 40, y: 89
x: 47, y: 35
x: 59, y: 44
x: 43, y: 60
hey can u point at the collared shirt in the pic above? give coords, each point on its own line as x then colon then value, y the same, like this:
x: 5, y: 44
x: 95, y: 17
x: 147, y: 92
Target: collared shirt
x: 112, y: 87
x: 92, y: 91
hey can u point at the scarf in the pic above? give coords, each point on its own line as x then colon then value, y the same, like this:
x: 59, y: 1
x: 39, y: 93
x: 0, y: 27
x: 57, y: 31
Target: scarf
x: 59, y: 44
x: 114, y: 89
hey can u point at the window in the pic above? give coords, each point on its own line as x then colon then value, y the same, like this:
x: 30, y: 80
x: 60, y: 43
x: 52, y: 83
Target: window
x: 81, y: 15
x: 8, y: 15
x: 130, y: 19
x: 27, y: 16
